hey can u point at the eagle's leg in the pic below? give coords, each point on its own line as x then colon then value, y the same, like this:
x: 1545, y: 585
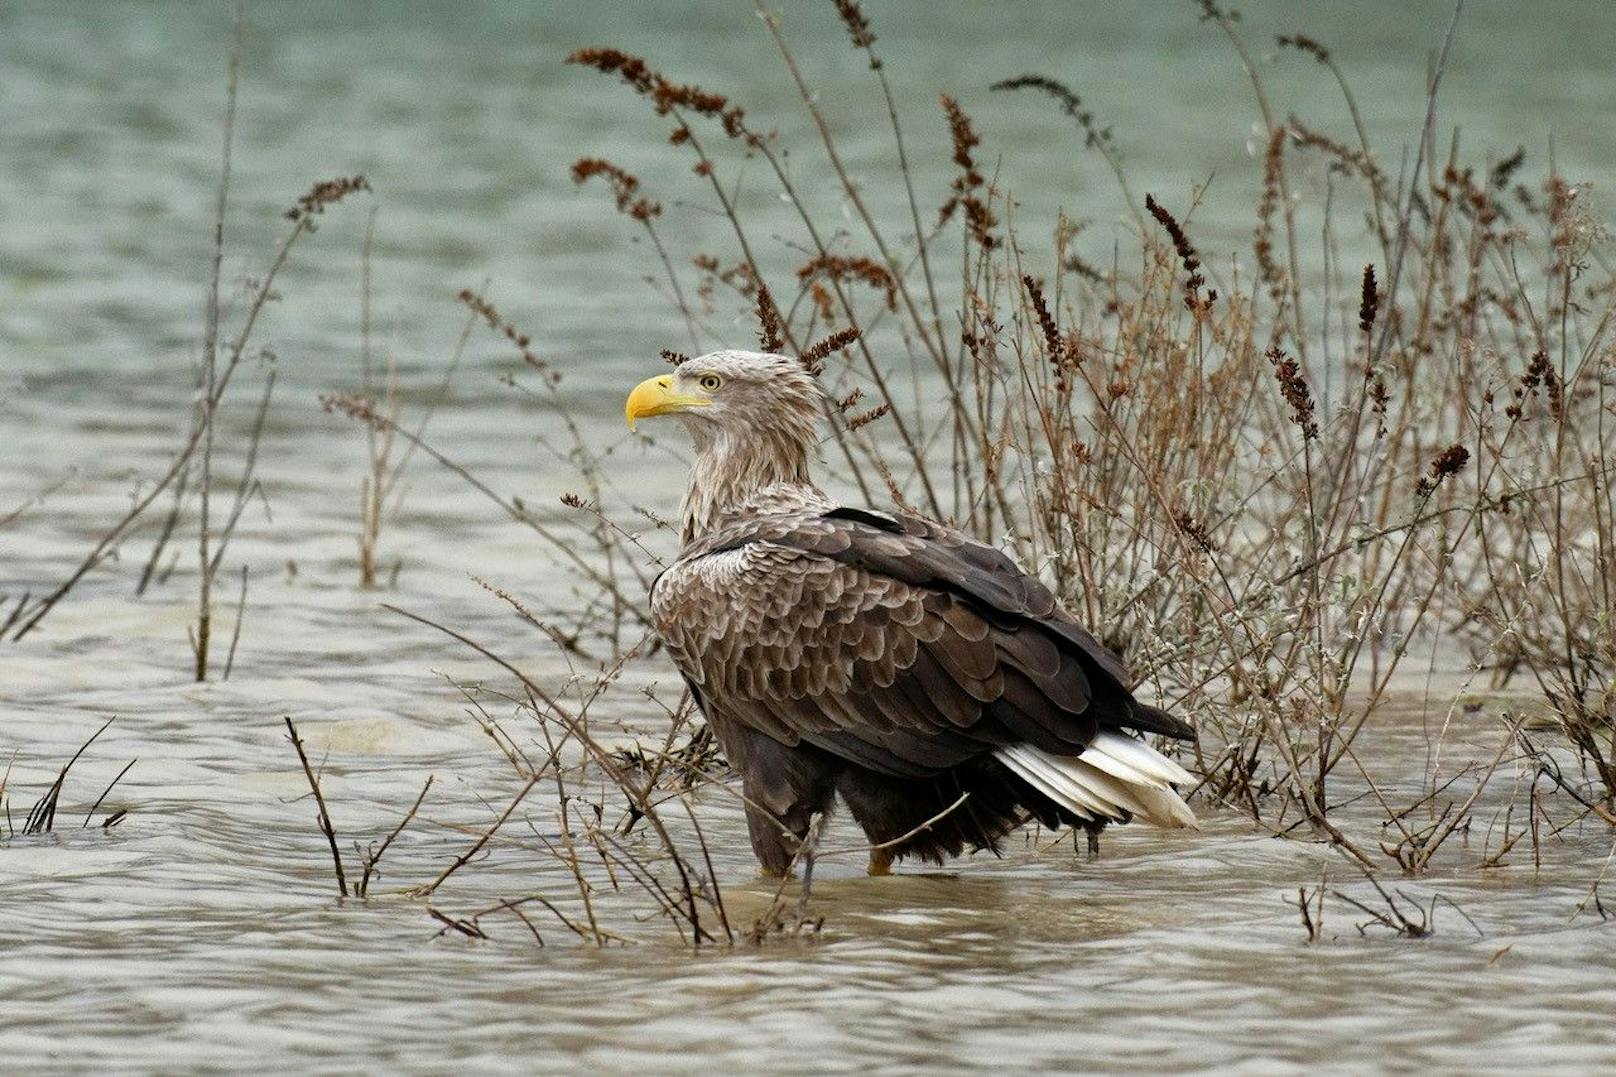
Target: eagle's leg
x: 785, y: 788
x: 880, y: 861
x: 775, y: 839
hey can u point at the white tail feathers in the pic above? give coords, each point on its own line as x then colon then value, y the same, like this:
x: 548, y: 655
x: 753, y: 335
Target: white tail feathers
x: 1116, y: 776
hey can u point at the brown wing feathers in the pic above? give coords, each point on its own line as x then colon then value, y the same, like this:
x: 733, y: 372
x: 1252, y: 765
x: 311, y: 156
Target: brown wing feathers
x: 894, y: 644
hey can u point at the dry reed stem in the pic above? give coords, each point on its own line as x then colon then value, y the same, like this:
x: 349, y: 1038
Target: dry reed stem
x: 373, y: 856
x: 323, y: 817
x: 42, y: 816
x: 210, y: 359
x: 235, y: 632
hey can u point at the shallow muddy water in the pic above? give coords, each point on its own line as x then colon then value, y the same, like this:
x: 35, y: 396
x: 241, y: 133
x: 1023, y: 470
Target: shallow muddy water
x: 202, y: 932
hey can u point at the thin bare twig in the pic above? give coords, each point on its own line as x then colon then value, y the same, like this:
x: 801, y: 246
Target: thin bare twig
x: 324, y: 816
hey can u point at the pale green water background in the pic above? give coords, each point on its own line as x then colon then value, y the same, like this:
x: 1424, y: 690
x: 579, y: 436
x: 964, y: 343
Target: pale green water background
x: 200, y: 934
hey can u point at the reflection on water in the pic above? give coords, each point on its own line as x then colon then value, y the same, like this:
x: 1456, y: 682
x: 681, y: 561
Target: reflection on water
x: 201, y: 931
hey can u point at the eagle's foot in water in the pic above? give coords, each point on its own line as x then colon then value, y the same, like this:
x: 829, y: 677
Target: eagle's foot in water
x: 880, y: 862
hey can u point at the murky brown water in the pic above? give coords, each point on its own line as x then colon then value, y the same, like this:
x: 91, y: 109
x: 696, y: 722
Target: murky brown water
x: 202, y: 932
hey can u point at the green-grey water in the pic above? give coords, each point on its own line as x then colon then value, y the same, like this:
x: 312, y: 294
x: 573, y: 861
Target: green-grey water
x: 201, y: 932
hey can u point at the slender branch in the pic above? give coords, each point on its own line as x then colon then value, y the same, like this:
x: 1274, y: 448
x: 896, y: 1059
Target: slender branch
x: 324, y: 816
x: 210, y: 359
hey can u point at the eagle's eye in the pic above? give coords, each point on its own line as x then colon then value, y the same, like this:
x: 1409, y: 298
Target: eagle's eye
x: 710, y: 382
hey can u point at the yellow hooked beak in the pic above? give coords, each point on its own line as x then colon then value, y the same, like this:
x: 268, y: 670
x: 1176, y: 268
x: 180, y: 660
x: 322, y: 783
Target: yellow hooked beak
x: 656, y: 396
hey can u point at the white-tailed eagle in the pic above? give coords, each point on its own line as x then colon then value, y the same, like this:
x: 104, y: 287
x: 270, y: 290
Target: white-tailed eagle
x: 881, y: 657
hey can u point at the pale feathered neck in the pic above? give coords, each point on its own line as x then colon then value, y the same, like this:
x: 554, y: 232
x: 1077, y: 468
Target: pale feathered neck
x: 756, y: 471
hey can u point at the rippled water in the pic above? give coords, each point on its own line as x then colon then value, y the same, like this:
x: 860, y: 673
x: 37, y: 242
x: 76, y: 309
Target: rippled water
x: 201, y: 931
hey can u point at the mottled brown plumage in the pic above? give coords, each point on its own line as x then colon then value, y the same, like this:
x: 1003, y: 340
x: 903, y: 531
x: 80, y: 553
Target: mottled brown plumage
x: 882, y: 657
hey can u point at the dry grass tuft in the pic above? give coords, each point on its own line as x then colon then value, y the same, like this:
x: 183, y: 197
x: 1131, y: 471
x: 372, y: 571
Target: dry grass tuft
x: 1270, y: 500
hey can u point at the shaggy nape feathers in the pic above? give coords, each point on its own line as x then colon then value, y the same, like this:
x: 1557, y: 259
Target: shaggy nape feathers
x: 756, y: 434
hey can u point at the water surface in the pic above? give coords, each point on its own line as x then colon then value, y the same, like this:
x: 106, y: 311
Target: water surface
x: 202, y: 932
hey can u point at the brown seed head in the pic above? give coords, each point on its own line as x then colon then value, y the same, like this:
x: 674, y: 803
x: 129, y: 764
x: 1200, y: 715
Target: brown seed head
x: 824, y: 302
x: 814, y: 358
x: 354, y: 407
x: 838, y: 267
x: 1369, y: 303
x: 1500, y: 175
x: 964, y: 137
x: 1379, y: 396
x: 1539, y: 372
x: 1181, y: 244
x: 486, y: 311
x: 666, y: 95
x: 1449, y: 461
x: 1346, y: 157
x: 864, y: 419
x: 1263, y: 246
x: 1303, y: 43
x: 1046, y: 321
x: 1195, y: 530
x: 326, y: 193
x: 625, y: 187
x: 633, y: 70
x: 858, y: 27
x: 1071, y: 104
x: 1293, y: 387
x: 979, y: 218
x: 771, y: 334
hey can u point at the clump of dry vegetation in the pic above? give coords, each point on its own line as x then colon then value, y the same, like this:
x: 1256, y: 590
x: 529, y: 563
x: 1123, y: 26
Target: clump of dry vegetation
x: 41, y: 817
x: 1273, y: 481
x: 641, y: 853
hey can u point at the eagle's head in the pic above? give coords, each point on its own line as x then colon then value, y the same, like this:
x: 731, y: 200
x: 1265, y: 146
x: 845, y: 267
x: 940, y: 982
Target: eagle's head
x: 731, y: 394
x: 753, y: 416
